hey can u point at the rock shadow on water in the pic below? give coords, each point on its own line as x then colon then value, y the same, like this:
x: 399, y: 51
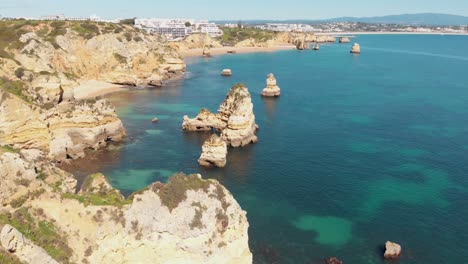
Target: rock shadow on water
x: 330, y: 230
x: 270, y: 105
x: 429, y: 191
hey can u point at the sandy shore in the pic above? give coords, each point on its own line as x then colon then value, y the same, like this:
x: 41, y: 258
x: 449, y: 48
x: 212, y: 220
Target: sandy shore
x: 93, y: 88
x: 236, y: 50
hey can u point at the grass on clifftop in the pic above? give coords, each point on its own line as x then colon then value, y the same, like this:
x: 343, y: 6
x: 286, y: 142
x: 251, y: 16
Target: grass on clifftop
x: 42, y: 233
x: 175, y: 190
x: 232, y: 36
x: 8, y: 149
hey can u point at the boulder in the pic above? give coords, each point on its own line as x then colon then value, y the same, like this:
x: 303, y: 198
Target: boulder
x: 206, y: 51
x: 392, y: 250
x: 214, y: 152
x: 155, y: 120
x: 356, y: 49
x: 271, y: 90
x: 226, y: 72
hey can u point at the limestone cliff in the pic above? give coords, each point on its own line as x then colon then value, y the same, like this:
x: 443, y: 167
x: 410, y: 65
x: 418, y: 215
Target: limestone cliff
x: 186, y: 220
x: 47, y: 67
x: 214, y: 152
x: 235, y: 118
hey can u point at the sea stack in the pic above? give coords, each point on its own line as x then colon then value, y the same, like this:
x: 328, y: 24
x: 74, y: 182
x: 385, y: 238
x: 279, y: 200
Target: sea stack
x: 356, y: 49
x: 344, y: 40
x: 226, y: 72
x: 392, y: 250
x: 206, y: 51
x: 271, y: 90
x: 214, y: 152
x: 316, y: 47
x: 235, y: 118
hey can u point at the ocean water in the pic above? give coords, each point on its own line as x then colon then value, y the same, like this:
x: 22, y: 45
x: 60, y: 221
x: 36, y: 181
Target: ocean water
x: 358, y: 150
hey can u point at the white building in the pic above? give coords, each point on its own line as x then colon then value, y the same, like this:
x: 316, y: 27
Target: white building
x: 209, y: 28
x: 175, y: 29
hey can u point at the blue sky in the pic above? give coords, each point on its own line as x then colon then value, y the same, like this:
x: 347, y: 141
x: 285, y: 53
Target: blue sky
x: 234, y: 9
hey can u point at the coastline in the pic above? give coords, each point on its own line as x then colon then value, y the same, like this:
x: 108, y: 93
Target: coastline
x: 388, y: 33
x: 92, y: 88
x: 237, y: 50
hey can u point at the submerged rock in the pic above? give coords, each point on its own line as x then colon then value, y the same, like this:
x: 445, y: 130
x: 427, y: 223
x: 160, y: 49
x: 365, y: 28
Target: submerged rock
x: 226, y: 72
x: 392, y: 250
x: 334, y: 261
x: 271, y: 90
x: 235, y: 119
x: 356, y: 49
x: 214, y: 152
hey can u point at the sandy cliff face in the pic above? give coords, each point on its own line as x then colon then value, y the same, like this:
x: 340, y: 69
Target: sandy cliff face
x: 187, y: 220
x: 51, y: 63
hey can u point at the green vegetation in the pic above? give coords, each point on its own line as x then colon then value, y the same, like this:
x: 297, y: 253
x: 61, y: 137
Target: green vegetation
x: 113, y: 198
x: 175, y: 190
x: 231, y: 36
x: 197, y: 218
x: 86, y: 30
x: 10, y: 32
x: 8, y: 258
x: 18, y: 202
x: 129, y: 21
x: 101, y: 196
x: 120, y: 58
x: 17, y: 88
x: 42, y: 233
x: 8, y: 149
x: 19, y: 73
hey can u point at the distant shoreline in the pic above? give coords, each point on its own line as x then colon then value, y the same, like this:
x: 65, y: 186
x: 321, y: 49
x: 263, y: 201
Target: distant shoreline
x: 387, y: 33
x: 236, y: 50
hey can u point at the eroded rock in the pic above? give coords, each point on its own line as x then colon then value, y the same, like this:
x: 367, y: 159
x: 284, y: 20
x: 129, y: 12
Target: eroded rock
x: 271, y: 90
x: 214, y: 152
x: 392, y: 250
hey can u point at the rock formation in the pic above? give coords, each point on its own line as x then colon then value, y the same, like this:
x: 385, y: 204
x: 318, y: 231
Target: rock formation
x: 206, y: 51
x: 196, y: 41
x: 214, y: 152
x: 392, y: 250
x: 316, y: 47
x: 334, y: 261
x: 25, y: 250
x: 186, y: 220
x: 271, y: 90
x: 344, y: 40
x: 226, y: 72
x: 302, y: 44
x: 235, y: 119
x: 356, y: 49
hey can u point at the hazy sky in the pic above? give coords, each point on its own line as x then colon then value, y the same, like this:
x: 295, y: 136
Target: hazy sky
x: 234, y: 9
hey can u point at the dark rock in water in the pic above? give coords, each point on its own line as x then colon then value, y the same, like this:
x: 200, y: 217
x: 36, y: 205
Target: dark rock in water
x: 334, y: 261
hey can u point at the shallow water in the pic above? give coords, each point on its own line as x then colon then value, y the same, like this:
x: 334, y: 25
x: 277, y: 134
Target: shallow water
x: 358, y: 150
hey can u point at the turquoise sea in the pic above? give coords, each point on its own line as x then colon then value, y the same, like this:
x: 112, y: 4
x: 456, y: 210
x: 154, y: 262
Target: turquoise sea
x: 358, y: 150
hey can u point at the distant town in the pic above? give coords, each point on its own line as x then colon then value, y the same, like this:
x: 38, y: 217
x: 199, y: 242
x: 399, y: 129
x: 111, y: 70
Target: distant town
x: 177, y: 29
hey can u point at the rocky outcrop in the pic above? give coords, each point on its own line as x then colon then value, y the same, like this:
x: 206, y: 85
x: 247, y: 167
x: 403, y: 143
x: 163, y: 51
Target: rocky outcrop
x: 64, y: 131
x: 206, y: 51
x: 356, y: 49
x: 271, y: 90
x: 226, y: 72
x: 25, y: 250
x: 53, y: 62
x: 392, y: 250
x: 301, y: 44
x: 235, y: 119
x: 214, y: 152
x: 316, y: 47
x: 325, y: 39
x: 344, y: 40
x: 15, y: 176
x: 186, y: 220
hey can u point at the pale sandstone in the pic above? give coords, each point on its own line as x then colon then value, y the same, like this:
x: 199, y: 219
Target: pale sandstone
x: 214, y: 152
x: 392, y: 250
x: 356, y: 49
x: 272, y: 89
